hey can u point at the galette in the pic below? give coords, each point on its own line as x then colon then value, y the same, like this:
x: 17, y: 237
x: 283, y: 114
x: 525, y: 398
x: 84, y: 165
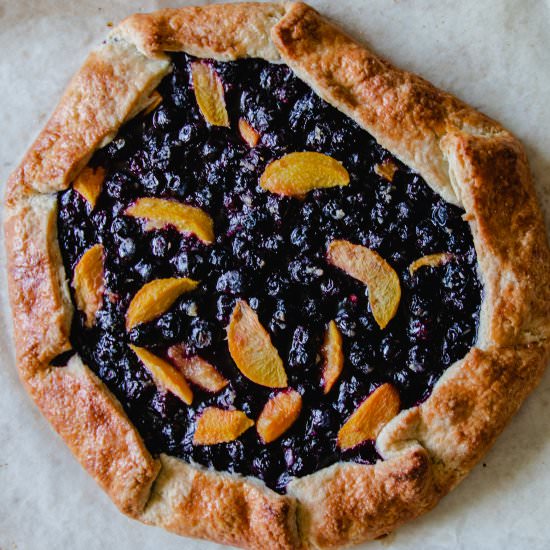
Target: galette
x: 271, y: 290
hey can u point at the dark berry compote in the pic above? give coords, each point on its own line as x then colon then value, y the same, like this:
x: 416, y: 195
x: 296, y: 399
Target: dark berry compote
x: 271, y: 251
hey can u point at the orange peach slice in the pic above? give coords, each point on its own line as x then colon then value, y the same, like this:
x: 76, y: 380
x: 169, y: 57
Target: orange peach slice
x: 248, y: 133
x: 89, y: 183
x: 333, y: 357
x: 209, y: 94
x: 220, y: 426
x: 155, y: 99
x: 370, y: 417
x: 159, y: 213
x: 251, y: 348
x: 370, y: 268
x: 386, y: 170
x: 164, y: 374
x: 296, y: 174
x: 197, y: 370
x: 431, y: 260
x: 88, y: 283
x: 279, y: 413
x: 155, y: 298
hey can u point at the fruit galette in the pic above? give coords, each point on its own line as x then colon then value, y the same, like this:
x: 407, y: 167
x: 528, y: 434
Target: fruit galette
x: 271, y: 290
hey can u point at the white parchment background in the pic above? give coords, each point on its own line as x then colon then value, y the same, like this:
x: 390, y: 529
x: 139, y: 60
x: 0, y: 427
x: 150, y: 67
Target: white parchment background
x: 495, y: 54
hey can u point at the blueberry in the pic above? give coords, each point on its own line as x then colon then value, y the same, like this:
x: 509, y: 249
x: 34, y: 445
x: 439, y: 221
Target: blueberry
x: 319, y: 137
x: 231, y: 282
x: 262, y: 463
x: 420, y: 305
x: 456, y: 278
x: 427, y: 237
x: 418, y: 358
x: 419, y: 329
x: 201, y: 333
x: 346, y: 323
x: 162, y: 118
x: 321, y: 423
x: 144, y: 334
x: 311, y: 310
x: 236, y: 453
x: 304, y: 271
x: 121, y: 228
x: 301, y: 349
x: 300, y: 237
x: 189, y: 264
x: 144, y: 269
x: 274, y: 244
x: 160, y: 246
x: 276, y: 284
x: 390, y: 349
x: 109, y: 317
x: 152, y: 182
x: 126, y: 248
x: 276, y: 140
x: 441, y: 213
x: 350, y: 394
x: 362, y: 357
x: 457, y: 339
x: 189, y: 133
x: 329, y: 287
x: 170, y: 326
x: 279, y: 318
x: 224, y: 307
x: 177, y: 185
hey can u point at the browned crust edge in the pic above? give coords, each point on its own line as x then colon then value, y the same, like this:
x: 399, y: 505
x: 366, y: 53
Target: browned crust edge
x: 91, y: 421
x: 466, y: 157
x: 193, y: 501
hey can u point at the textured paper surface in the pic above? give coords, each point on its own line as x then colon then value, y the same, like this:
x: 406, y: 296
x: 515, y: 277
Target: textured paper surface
x: 493, y: 54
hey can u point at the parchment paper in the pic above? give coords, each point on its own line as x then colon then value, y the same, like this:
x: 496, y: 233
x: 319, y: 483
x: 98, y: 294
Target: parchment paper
x: 495, y: 54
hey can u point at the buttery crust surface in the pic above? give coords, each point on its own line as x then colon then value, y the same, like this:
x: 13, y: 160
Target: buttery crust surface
x: 466, y: 157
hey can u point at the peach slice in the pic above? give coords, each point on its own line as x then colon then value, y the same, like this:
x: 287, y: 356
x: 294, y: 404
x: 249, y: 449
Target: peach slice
x: 370, y: 268
x: 156, y: 297
x: 248, y: 133
x: 386, y: 170
x: 164, y: 374
x: 88, y: 283
x: 159, y: 213
x: 154, y: 100
x: 197, y: 370
x: 431, y: 260
x: 220, y: 426
x: 279, y: 413
x: 251, y: 348
x: 296, y: 174
x: 209, y: 94
x: 89, y: 183
x: 370, y: 417
x: 333, y: 357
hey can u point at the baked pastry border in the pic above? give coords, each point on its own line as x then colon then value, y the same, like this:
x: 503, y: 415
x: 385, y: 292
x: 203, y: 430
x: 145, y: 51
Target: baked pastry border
x: 463, y: 155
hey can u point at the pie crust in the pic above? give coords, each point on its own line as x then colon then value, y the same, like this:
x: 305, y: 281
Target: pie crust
x: 467, y: 158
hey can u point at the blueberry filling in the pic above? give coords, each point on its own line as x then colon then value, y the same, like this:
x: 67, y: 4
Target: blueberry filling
x: 271, y: 251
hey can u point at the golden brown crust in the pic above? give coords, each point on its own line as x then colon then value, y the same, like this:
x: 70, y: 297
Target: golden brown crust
x: 192, y: 501
x: 98, y: 432
x: 468, y: 408
x: 39, y: 294
x: 466, y: 157
x: 107, y: 90
x: 349, y: 503
x: 491, y: 177
x: 220, y: 31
